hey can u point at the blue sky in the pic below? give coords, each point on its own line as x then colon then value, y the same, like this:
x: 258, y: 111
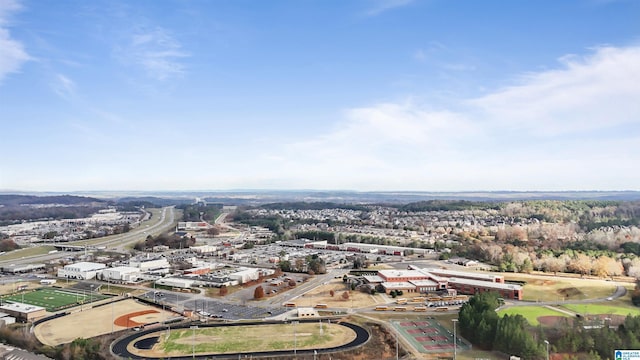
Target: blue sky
x: 328, y: 94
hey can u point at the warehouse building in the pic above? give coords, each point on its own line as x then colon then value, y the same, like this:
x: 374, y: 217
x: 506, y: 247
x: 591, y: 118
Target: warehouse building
x: 81, y: 270
x: 124, y: 274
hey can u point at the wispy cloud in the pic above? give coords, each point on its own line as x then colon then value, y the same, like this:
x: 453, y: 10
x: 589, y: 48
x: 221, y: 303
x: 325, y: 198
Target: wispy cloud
x: 156, y: 51
x: 13, y: 54
x: 550, y: 130
x: 379, y: 6
x: 420, y: 55
x: 585, y: 94
x: 64, y: 87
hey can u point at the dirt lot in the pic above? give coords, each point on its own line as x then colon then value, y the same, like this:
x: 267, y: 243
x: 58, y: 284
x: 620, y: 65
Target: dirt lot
x: 97, y: 321
x: 321, y: 295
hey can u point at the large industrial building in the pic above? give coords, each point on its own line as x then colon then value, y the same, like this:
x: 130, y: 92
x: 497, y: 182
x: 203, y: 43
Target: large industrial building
x: 124, y: 274
x: 151, y: 265
x: 429, y: 280
x: 81, y: 270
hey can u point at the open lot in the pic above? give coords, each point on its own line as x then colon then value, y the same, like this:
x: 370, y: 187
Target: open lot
x: 249, y: 338
x: 53, y: 299
x: 551, y: 288
x: 322, y: 295
x: 603, y: 309
x: 98, y: 321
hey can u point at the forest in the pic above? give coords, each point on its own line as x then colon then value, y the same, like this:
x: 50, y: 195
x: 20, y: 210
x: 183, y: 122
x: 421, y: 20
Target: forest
x: 512, y: 334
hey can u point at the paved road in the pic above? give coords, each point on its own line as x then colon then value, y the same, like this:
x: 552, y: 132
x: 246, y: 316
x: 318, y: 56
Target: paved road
x: 119, y: 242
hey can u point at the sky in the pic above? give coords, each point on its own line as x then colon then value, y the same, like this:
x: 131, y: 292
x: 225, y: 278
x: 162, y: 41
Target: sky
x: 365, y: 95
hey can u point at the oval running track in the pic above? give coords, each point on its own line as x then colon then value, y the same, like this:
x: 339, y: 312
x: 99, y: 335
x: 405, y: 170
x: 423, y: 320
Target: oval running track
x: 119, y: 347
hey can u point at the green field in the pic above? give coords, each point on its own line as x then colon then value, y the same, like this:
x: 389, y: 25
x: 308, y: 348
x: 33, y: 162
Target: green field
x: 52, y: 299
x: 531, y: 313
x: 603, y: 308
x: 26, y: 252
x: 253, y: 338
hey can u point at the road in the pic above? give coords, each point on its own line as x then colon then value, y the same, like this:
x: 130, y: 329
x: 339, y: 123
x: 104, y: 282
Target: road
x: 117, y: 242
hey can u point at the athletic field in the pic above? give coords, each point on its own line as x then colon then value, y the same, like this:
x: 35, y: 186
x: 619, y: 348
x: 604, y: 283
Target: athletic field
x: 245, y: 338
x: 53, y: 299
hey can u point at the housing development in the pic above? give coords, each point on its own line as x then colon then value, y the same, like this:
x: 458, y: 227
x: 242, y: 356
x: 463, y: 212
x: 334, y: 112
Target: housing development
x: 411, y: 272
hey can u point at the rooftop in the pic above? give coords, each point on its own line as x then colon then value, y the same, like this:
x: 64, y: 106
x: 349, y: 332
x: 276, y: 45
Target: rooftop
x: 20, y: 307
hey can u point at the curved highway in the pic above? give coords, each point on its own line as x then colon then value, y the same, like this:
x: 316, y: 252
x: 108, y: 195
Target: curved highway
x: 167, y: 218
x: 119, y: 347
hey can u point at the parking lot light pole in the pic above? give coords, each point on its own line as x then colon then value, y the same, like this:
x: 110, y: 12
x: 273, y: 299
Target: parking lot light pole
x: 455, y: 340
x: 193, y: 344
x: 547, y: 343
x: 295, y: 340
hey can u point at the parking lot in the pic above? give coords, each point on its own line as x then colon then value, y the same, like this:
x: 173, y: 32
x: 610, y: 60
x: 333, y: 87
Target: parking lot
x: 213, y: 308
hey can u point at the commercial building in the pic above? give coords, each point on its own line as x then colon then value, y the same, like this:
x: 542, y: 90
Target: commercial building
x: 148, y: 264
x: 81, y: 270
x: 470, y: 287
x: 22, y: 268
x: 176, y: 282
x: 124, y: 274
x: 23, y: 312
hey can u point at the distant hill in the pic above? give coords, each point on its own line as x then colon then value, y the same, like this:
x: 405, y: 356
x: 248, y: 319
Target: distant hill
x: 18, y: 208
x: 20, y: 200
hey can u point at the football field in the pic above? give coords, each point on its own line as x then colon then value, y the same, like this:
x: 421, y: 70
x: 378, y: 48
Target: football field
x: 53, y: 299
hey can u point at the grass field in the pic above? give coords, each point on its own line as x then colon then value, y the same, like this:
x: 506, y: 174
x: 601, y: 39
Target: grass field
x: 603, y: 308
x: 322, y: 295
x: 531, y: 313
x: 255, y: 338
x: 52, y: 299
x: 20, y: 253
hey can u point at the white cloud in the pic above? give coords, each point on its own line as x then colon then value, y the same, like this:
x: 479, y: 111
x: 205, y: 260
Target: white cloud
x: 13, y: 54
x: 587, y: 93
x: 156, y: 51
x: 420, y: 55
x: 380, y: 6
x: 575, y: 127
x: 64, y: 87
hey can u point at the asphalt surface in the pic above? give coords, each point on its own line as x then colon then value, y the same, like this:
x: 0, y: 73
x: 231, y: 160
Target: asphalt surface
x: 167, y: 217
x: 119, y: 347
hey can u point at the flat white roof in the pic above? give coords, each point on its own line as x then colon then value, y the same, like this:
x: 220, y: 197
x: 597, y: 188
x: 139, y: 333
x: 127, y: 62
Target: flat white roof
x: 123, y: 269
x: 20, y: 307
x: 485, y: 284
x: 401, y: 273
x: 85, y: 266
x: 398, y: 285
x: 373, y: 278
x: 423, y: 282
x: 455, y: 273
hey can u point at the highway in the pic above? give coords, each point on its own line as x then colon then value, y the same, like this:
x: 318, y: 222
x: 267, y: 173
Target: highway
x: 114, y: 242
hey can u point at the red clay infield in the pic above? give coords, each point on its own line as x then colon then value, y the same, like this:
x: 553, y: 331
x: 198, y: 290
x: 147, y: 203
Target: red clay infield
x: 125, y: 320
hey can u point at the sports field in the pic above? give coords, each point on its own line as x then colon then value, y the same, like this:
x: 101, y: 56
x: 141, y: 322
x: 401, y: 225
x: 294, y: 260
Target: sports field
x: 250, y: 338
x: 99, y: 321
x: 53, y: 299
x: 532, y: 313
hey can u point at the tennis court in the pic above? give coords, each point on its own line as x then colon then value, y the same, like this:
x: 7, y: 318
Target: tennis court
x: 53, y: 299
x: 428, y: 336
